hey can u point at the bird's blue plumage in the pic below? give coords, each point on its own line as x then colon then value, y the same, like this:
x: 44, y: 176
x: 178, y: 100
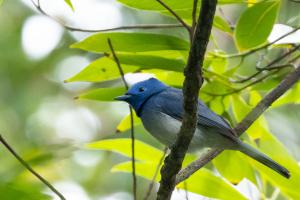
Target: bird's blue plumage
x: 161, y: 109
x: 171, y: 103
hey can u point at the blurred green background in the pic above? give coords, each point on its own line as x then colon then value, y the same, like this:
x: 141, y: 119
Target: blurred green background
x: 40, y: 119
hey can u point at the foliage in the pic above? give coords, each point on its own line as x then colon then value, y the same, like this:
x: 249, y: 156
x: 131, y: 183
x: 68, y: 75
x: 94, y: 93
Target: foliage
x: 202, y: 182
x: 255, y: 24
x: 161, y: 54
x: 237, y: 51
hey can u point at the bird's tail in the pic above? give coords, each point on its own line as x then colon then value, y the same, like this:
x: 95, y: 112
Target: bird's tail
x: 264, y: 159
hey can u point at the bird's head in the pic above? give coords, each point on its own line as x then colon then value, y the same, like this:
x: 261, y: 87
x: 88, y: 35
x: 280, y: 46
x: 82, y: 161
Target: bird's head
x: 141, y: 91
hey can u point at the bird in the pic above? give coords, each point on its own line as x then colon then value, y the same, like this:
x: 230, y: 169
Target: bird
x: 160, y: 108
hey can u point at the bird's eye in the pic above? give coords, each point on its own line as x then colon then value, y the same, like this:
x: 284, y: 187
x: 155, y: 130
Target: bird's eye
x: 141, y: 89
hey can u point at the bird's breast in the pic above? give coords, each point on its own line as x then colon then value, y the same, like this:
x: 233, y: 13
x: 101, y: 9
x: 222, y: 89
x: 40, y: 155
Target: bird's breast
x: 165, y: 128
x: 161, y: 126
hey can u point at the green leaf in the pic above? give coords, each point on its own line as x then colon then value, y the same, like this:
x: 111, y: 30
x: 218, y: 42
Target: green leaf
x: 290, y: 97
x: 181, y: 8
x: 217, y: 105
x: 22, y: 190
x: 125, y: 124
x: 131, y: 42
x: 143, y: 169
x: 266, y: 85
x: 217, y: 86
x: 217, y: 64
x: 152, y: 62
x: 154, y: 5
x: 273, y: 148
x: 255, y: 97
x: 181, y: 55
x: 255, y: 24
x: 221, y: 24
x: 233, y: 166
x: 102, y: 69
x: 69, y: 3
x: 169, y: 77
x: 203, y: 182
x: 143, y: 151
x: 240, y: 107
x: 103, y: 94
x: 174, y: 4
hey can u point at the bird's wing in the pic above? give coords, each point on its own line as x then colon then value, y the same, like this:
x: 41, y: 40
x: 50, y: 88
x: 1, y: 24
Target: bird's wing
x: 171, y: 102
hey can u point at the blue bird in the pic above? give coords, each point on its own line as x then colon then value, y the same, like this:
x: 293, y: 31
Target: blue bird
x: 160, y: 108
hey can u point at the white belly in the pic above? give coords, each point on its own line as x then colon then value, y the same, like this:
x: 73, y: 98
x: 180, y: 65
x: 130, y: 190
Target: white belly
x: 165, y: 128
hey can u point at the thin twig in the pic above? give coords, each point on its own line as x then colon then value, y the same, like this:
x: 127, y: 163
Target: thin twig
x: 255, y: 81
x: 188, y: 28
x: 151, y: 185
x: 253, y: 115
x: 192, y: 83
x: 237, y: 90
x: 246, y: 53
x: 226, y: 18
x: 194, y: 17
x: 129, y: 27
x: 131, y: 120
x: 29, y: 168
x: 269, y: 67
x: 259, y: 72
x: 280, y: 58
x: 273, y: 70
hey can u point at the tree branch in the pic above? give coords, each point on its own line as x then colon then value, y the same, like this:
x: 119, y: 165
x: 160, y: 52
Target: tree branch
x: 253, y: 115
x: 29, y: 168
x: 134, y: 187
x: 129, y: 27
x: 192, y: 83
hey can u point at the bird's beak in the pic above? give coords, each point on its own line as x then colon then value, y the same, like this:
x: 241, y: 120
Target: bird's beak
x: 124, y: 97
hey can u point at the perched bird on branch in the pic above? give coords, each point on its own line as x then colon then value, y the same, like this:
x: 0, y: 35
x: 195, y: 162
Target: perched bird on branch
x: 161, y: 109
